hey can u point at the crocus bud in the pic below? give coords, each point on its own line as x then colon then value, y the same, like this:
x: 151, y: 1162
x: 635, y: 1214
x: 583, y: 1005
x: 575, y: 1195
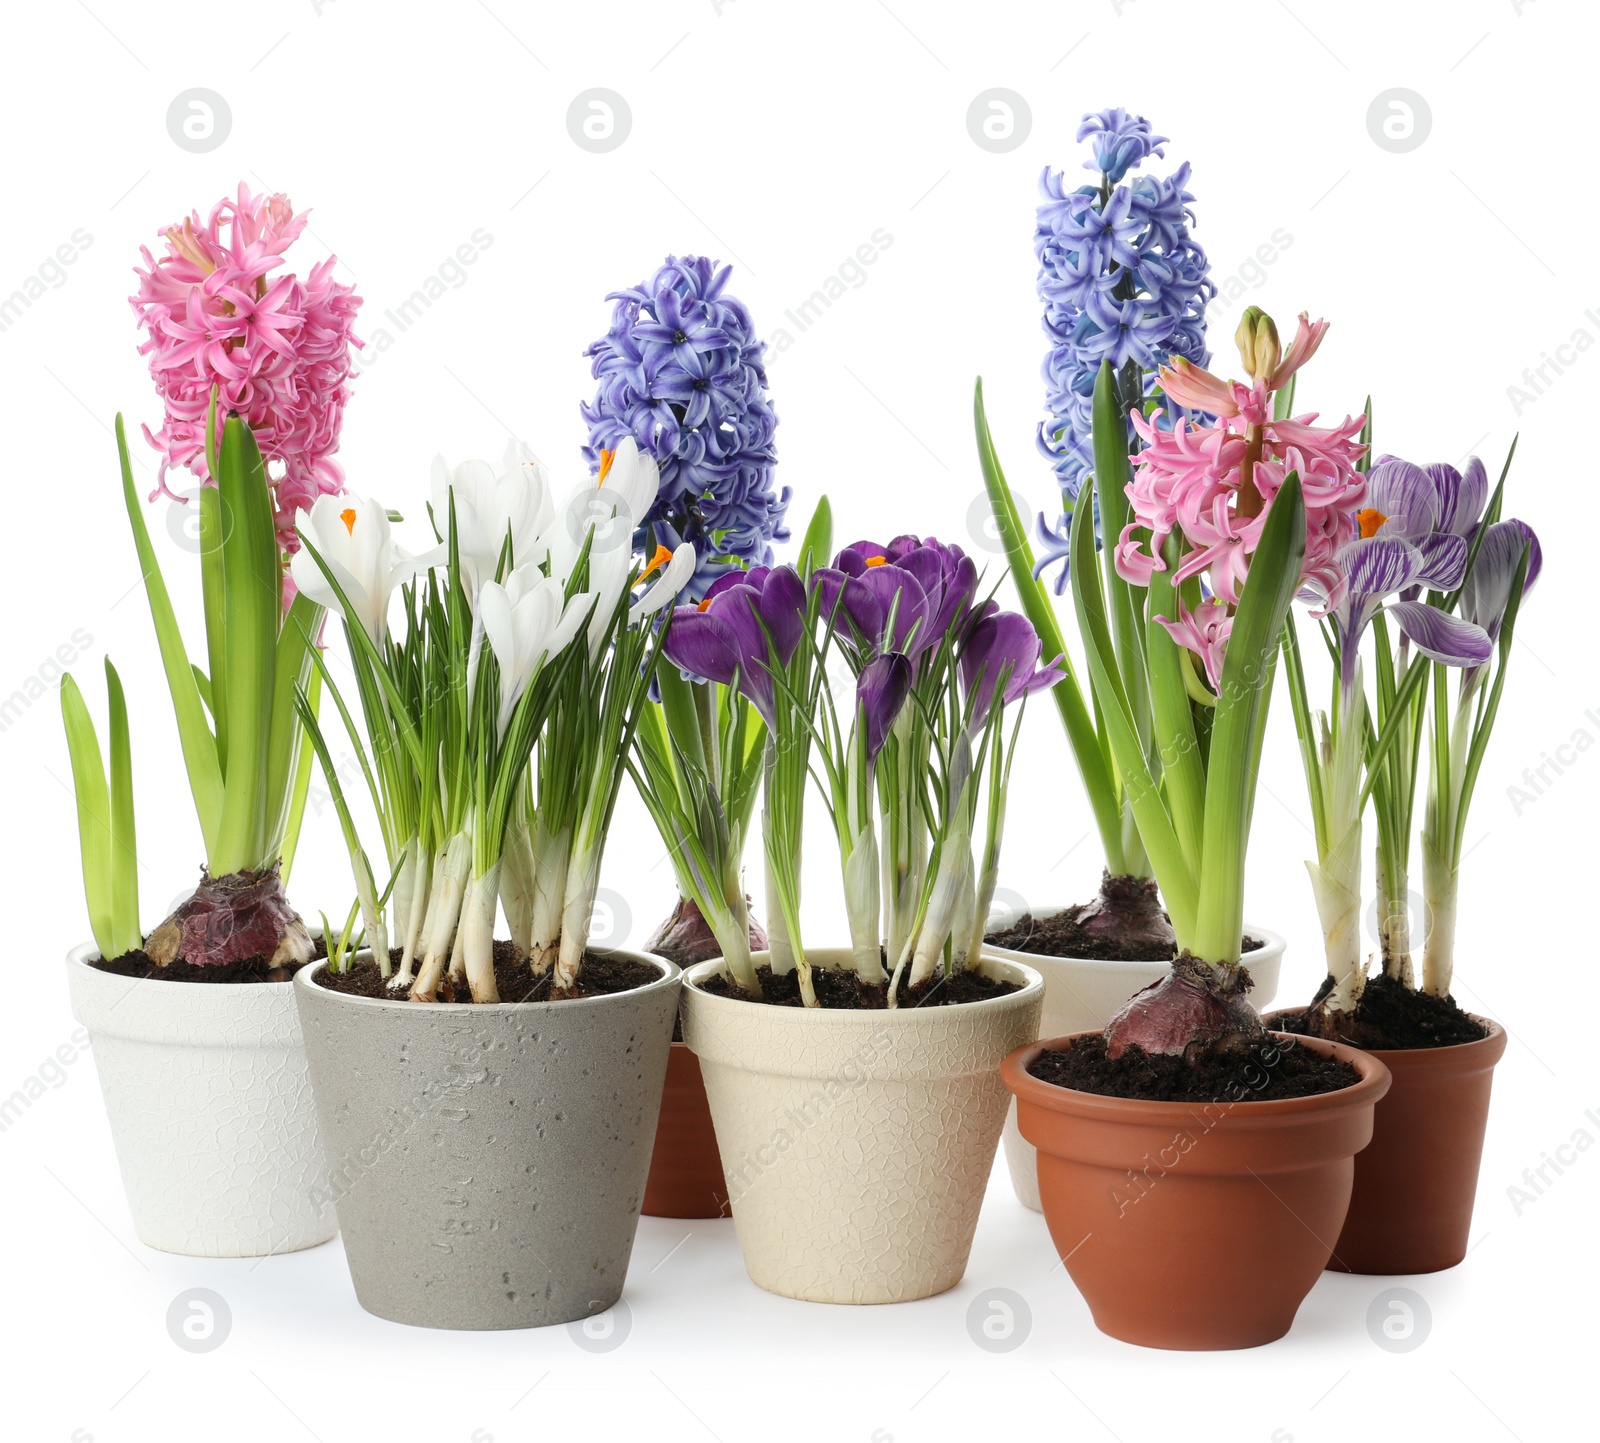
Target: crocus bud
x: 1257, y: 339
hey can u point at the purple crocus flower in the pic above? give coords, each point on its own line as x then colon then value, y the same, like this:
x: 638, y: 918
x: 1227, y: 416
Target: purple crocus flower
x: 749, y: 625
x: 1377, y: 567
x: 1405, y: 502
x: 881, y: 691
x: 1487, y: 592
x: 1461, y: 495
x: 1002, y: 645
x: 928, y: 586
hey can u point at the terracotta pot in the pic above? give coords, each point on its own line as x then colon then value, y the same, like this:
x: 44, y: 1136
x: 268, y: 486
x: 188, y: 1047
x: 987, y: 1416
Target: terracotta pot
x: 685, y: 1169
x: 1082, y: 994
x: 1195, y: 1225
x: 1411, y: 1208
x: 857, y: 1144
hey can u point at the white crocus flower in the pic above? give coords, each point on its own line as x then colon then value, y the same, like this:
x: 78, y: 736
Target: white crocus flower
x: 526, y: 622
x: 352, y: 535
x: 663, y: 591
x: 490, y: 503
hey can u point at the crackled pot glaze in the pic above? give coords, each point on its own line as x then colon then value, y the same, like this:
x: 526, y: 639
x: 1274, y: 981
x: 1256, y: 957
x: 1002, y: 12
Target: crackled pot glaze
x: 857, y: 1144
x: 211, y: 1112
x: 488, y: 1162
x: 1082, y: 995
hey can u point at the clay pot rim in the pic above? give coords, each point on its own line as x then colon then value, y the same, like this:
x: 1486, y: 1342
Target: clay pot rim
x: 1274, y: 944
x: 86, y: 952
x: 841, y: 957
x: 670, y: 977
x: 1374, y: 1083
x: 1485, y: 1051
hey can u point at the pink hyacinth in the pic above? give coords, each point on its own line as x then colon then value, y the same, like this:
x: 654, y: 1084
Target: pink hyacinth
x: 1205, y: 632
x: 1192, y: 479
x: 277, y: 348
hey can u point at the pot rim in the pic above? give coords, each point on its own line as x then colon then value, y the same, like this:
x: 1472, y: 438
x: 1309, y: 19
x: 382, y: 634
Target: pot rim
x: 828, y: 957
x: 1487, y: 1049
x: 670, y: 975
x: 1373, y: 1084
x: 1274, y: 944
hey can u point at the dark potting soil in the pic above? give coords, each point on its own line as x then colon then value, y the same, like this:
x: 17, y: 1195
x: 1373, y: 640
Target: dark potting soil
x: 599, y: 976
x: 1389, y: 1017
x: 1062, y: 936
x: 254, y: 969
x: 840, y: 988
x: 1264, y: 1070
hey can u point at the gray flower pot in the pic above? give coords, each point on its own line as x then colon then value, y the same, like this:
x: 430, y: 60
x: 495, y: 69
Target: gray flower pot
x: 487, y: 1163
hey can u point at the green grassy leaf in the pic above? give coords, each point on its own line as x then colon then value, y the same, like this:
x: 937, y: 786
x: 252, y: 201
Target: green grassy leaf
x: 94, y: 814
x: 123, y: 845
x: 1082, y: 737
x: 199, y: 745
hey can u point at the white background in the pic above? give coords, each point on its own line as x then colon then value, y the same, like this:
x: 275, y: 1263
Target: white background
x: 780, y: 137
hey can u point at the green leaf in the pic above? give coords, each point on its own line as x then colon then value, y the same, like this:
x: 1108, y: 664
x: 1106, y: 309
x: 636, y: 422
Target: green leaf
x: 291, y: 672
x: 299, y: 791
x: 1141, y: 789
x: 816, y: 548
x: 1112, y: 474
x: 1491, y: 709
x: 94, y: 814
x: 199, y: 745
x: 1082, y: 737
x: 213, y: 527
x: 1235, y: 737
x: 123, y: 841
x: 1182, y: 767
x: 252, y: 604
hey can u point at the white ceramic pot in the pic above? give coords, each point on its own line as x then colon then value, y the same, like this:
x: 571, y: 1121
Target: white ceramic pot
x: 211, y: 1111
x: 857, y: 1145
x: 1082, y: 995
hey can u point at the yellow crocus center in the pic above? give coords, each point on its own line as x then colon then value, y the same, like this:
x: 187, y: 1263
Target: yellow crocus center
x: 877, y: 560
x: 1369, y: 518
x: 606, y: 458
x: 661, y: 558
x: 348, y: 516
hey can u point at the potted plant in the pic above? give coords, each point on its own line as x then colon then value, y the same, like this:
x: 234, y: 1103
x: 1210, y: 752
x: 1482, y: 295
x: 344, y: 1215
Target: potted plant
x: 854, y: 1090
x: 1225, y: 521
x: 681, y: 372
x: 1440, y: 565
x: 508, y: 1089
x: 196, y: 1039
x: 1122, y: 280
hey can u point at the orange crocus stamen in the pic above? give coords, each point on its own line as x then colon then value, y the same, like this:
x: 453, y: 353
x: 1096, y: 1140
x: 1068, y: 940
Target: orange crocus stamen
x: 1369, y: 518
x: 661, y: 558
x: 704, y: 605
x: 348, y: 516
x: 606, y: 458
x: 877, y: 560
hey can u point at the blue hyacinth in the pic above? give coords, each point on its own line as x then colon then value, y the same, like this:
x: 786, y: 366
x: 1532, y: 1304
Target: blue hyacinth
x: 681, y: 371
x: 1122, y: 281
